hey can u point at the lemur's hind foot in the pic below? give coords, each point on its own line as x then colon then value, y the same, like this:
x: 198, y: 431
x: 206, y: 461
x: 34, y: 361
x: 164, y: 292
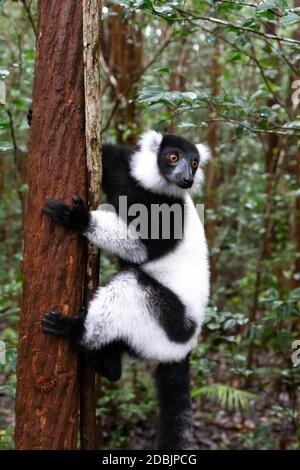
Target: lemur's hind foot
x: 107, y: 361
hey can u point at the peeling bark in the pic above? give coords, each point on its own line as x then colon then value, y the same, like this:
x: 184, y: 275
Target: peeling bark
x: 91, y: 53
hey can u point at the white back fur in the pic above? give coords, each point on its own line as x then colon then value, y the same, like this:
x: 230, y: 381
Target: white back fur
x: 185, y: 270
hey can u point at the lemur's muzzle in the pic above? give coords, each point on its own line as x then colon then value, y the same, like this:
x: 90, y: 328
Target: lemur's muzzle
x: 183, y: 176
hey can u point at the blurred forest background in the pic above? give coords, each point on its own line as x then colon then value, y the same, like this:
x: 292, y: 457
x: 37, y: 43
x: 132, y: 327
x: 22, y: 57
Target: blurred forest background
x: 224, y: 72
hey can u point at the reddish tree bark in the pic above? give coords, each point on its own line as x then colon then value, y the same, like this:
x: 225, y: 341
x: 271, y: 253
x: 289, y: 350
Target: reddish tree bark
x: 179, y: 66
x: 47, y: 379
x: 178, y: 77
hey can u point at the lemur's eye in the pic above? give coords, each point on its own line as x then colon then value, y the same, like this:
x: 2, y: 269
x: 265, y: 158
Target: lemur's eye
x: 173, y: 157
x: 195, y: 164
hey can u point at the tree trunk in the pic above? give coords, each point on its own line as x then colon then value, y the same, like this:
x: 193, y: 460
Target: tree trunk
x: 47, y: 378
x: 296, y: 168
x: 177, y: 80
x: 212, y: 177
x: 273, y: 144
x: 296, y: 273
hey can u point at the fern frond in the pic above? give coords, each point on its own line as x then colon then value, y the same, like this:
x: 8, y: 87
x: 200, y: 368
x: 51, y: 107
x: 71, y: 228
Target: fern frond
x: 228, y: 397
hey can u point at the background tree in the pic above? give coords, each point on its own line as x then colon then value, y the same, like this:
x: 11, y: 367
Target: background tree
x: 123, y: 46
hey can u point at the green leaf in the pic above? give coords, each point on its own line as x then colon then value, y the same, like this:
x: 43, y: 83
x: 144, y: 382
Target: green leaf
x: 186, y: 125
x: 156, y: 96
x: 235, y: 55
x: 163, y: 70
x: 266, y: 5
x: 269, y: 15
x: 294, y: 295
x: 289, y: 19
x: 270, y: 295
x: 5, y: 146
x: 164, y: 9
x: 229, y: 324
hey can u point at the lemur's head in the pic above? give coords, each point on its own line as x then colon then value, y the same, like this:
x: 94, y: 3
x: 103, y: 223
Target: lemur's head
x: 169, y: 164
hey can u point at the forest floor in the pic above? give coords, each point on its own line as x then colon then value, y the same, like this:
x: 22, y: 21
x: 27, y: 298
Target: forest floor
x: 216, y: 429
x: 225, y: 432
x: 256, y: 428
x: 213, y: 430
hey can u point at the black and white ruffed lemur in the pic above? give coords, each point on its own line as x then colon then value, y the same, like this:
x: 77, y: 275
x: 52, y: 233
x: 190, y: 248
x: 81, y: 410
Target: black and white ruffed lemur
x: 154, y: 307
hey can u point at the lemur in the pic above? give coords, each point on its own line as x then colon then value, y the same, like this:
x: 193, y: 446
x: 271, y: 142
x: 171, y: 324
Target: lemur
x: 154, y: 306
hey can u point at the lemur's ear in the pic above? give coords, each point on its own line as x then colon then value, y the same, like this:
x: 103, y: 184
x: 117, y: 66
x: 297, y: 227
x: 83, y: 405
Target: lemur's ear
x: 151, y: 140
x: 204, y: 153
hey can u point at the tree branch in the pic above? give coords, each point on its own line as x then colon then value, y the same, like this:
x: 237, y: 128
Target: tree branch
x: 27, y: 8
x: 136, y: 79
x: 189, y: 16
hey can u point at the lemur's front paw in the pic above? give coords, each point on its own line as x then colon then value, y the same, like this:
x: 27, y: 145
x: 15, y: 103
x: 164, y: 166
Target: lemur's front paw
x: 54, y: 323
x: 75, y: 217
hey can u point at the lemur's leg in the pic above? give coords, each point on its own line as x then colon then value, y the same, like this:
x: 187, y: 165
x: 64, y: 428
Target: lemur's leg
x: 107, y: 361
x: 129, y: 311
x: 134, y: 313
x: 103, y: 228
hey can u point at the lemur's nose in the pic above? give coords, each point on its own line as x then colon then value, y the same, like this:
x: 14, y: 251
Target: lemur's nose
x: 188, y: 182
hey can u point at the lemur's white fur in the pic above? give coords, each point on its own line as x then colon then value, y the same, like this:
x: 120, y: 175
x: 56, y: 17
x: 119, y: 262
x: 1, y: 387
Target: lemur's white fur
x: 145, y: 170
x: 144, y: 166
x: 204, y: 153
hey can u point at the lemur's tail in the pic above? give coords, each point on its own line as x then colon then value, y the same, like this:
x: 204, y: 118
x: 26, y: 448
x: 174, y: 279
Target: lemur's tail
x: 175, y: 414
